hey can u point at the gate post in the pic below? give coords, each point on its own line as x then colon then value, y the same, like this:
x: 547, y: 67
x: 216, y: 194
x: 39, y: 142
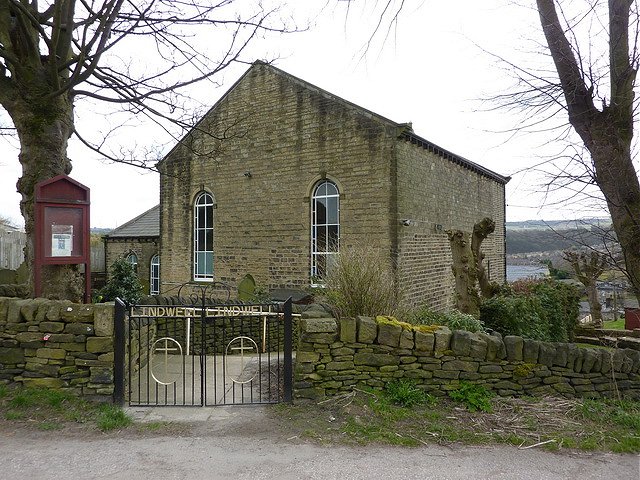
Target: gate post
x: 288, y: 351
x: 118, y: 351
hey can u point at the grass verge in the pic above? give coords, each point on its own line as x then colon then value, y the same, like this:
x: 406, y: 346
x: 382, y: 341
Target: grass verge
x: 614, y: 324
x: 55, y: 410
x: 367, y: 416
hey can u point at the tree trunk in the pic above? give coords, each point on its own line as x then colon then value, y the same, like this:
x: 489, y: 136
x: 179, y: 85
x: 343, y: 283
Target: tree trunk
x: 44, y: 127
x: 594, y: 304
x: 465, y: 273
x: 588, y: 267
x: 467, y: 267
x: 608, y: 133
x: 482, y: 230
x: 618, y: 181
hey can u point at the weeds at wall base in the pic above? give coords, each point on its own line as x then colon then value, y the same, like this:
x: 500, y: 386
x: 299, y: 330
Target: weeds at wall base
x: 555, y: 424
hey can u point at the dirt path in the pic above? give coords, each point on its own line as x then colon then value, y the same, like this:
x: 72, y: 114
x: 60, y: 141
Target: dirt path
x: 245, y: 444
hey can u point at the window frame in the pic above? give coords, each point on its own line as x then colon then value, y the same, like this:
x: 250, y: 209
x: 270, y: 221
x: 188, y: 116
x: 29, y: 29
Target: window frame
x: 203, y: 201
x: 154, y: 274
x: 316, y: 253
x: 132, y: 259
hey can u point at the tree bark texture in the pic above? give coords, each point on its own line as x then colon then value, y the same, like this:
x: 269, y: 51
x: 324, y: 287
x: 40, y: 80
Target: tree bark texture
x: 606, y: 133
x: 44, y: 122
x: 482, y: 230
x: 468, y: 270
x: 465, y: 273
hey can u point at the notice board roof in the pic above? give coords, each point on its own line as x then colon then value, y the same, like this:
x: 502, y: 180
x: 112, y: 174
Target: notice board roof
x: 62, y: 189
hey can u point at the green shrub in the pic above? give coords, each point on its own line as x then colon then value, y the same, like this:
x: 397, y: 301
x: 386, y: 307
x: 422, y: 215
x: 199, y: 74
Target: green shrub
x: 406, y: 394
x: 474, y: 397
x: 538, y: 309
x: 123, y: 283
x: 453, y: 319
x: 361, y: 283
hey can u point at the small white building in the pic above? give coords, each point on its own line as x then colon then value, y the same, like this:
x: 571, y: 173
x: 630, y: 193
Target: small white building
x: 12, y: 243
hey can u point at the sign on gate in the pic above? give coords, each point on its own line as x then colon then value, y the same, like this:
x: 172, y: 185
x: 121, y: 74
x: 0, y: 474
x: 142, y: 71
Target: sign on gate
x: 221, y: 354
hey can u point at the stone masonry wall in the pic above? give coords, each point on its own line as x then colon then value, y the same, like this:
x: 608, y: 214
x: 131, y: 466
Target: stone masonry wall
x: 436, y: 195
x: 285, y: 137
x: 333, y: 357
x: 57, y: 344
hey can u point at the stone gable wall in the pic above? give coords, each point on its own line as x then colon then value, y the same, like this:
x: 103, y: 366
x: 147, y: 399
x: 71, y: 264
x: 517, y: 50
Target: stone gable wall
x: 334, y: 356
x: 436, y: 195
x: 59, y: 345
x: 287, y: 137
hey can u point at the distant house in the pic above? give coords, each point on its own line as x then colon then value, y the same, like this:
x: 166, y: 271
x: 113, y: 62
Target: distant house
x: 12, y: 243
x: 137, y: 241
x: 280, y: 175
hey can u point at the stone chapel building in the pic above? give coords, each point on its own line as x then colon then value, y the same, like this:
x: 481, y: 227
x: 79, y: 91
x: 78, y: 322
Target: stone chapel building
x: 138, y: 242
x: 280, y: 175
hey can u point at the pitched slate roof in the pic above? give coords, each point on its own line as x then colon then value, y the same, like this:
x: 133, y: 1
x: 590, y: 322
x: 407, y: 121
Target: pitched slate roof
x: 146, y: 224
x: 405, y: 132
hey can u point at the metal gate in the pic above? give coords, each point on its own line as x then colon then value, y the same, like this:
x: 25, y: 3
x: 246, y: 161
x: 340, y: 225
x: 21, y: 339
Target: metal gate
x: 197, y: 352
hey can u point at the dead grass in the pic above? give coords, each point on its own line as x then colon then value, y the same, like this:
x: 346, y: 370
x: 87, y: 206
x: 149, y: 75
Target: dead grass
x: 363, y: 417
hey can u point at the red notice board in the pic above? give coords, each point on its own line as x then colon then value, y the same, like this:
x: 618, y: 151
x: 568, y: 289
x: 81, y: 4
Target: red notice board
x: 62, y: 227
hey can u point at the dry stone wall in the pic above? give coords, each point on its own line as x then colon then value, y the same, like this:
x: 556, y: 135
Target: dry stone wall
x: 334, y: 356
x: 59, y: 345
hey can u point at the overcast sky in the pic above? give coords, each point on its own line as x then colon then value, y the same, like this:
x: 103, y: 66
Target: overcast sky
x: 432, y: 70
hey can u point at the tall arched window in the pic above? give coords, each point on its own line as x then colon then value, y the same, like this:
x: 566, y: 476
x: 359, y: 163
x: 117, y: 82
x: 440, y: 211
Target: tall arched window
x: 203, y: 237
x: 325, y: 228
x: 154, y: 275
x: 132, y: 258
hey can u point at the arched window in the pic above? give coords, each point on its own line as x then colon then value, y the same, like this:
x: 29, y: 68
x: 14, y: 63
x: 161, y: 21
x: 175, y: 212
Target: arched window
x: 325, y: 228
x: 132, y: 258
x: 154, y: 275
x: 203, y: 237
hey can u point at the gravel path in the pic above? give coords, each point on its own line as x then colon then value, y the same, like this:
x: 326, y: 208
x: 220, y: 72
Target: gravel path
x: 242, y: 444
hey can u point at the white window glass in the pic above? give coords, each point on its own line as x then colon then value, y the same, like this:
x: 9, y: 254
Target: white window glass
x: 325, y: 229
x: 203, y: 237
x: 154, y: 275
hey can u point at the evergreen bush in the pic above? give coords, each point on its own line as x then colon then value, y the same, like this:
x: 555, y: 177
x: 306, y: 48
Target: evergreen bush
x: 123, y: 283
x: 544, y: 310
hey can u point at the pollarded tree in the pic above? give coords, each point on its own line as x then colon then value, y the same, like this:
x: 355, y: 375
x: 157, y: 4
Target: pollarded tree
x: 468, y: 267
x: 140, y: 55
x: 588, y: 266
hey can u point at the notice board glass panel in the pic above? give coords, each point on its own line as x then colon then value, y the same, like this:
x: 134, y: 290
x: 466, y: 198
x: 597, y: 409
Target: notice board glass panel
x: 63, y: 232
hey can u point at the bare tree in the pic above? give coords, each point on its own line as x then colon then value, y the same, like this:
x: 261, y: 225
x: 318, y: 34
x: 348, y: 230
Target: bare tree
x: 138, y: 55
x: 596, y: 95
x: 603, y: 120
x: 588, y: 267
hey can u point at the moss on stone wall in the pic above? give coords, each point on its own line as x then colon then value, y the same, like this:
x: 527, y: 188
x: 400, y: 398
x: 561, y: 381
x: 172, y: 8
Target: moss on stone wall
x: 57, y: 344
x: 437, y: 360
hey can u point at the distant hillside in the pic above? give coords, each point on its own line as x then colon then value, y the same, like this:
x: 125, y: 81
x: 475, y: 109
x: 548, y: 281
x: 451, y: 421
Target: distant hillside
x: 532, y: 240
x: 585, y: 223
x: 101, y: 231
